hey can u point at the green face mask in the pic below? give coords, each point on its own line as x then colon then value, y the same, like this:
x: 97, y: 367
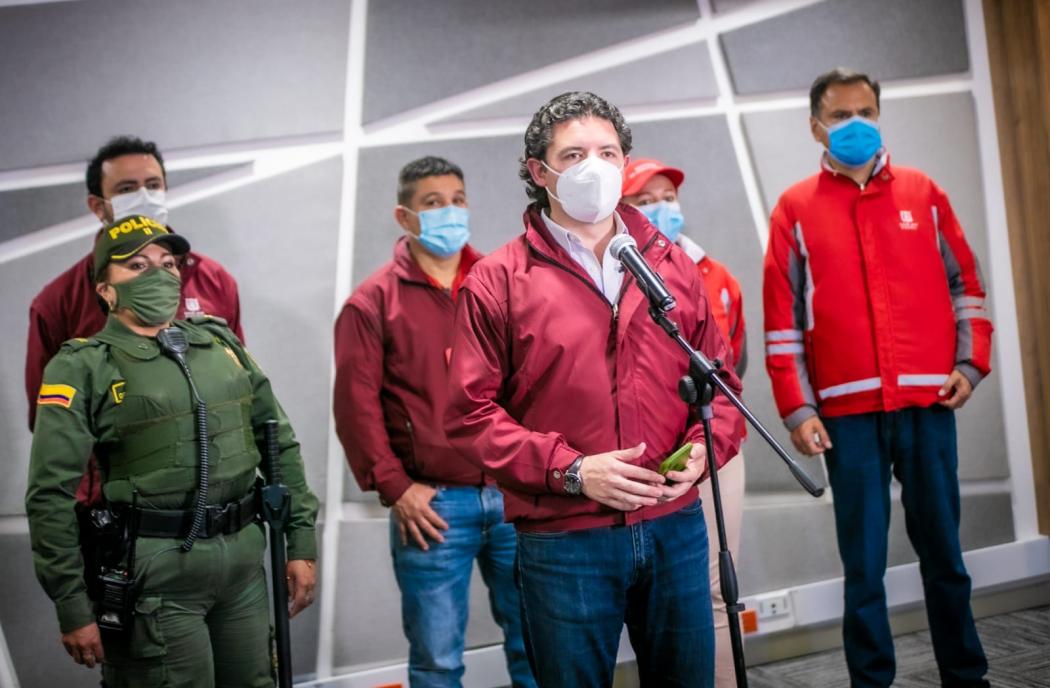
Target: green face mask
x: 153, y: 296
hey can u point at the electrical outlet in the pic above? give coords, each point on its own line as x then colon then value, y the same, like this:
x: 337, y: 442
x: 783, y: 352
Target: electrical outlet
x: 773, y: 605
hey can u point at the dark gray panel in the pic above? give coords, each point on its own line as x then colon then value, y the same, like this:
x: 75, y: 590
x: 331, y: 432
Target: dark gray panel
x: 785, y: 545
x: 937, y: 134
x: 723, y: 6
x: 421, y: 52
x: 20, y: 281
x: 683, y: 74
x: 278, y: 238
x: 928, y: 37
x: 89, y: 70
x: 30, y: 624
x: 26, y: 210
x: 368, y: 603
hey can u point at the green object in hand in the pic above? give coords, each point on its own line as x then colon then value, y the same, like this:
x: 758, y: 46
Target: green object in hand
x: 676, y: 461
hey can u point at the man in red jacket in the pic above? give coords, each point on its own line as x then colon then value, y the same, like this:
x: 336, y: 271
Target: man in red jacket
x: 392, y: 344
x: 652, y: 187
x: 876, y: 331
x: 126, y: 177
x: 563, y: 388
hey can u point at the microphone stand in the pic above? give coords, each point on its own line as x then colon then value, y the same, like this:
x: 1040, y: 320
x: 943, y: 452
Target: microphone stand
x: 698, y: 388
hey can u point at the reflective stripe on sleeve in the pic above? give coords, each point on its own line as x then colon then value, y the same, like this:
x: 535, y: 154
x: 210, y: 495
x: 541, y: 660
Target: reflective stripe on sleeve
x: 792, y: 348
x: 784, y: 336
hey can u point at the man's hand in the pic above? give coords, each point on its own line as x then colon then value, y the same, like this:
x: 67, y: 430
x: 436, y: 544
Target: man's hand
x: 84, y: 645
x: 956, y: 390
x: 415, y: 517
x: 810, y: 437
x: 302, y: 578
x: 694, y: 472
x: 611, y: 480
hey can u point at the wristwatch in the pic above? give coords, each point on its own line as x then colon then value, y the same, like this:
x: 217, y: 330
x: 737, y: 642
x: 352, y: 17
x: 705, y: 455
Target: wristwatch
x: 573, y: 482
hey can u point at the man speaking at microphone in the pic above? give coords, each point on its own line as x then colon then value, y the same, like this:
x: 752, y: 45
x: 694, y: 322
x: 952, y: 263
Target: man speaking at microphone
x: 563, y: 388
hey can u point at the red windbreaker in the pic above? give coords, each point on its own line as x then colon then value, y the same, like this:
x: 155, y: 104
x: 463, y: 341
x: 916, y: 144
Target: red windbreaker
x: 392, y: 342
x: 872, y: 296
x: 725, y: 297
x: 68, y: 307
x: 544, y: 370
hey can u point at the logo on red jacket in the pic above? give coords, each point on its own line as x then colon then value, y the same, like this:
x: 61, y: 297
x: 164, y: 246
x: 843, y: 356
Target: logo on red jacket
x: 907, y: 221
x: 193, y: 306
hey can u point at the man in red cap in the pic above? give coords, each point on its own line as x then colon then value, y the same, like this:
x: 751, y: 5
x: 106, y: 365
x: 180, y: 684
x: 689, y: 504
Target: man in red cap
x: 652, y: 187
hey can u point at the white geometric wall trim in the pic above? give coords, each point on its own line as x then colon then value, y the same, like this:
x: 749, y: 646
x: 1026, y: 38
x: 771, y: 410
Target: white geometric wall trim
x: 270, y: 158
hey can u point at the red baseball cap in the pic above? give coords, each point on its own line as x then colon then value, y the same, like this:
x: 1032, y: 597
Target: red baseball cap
x: 639, y: 172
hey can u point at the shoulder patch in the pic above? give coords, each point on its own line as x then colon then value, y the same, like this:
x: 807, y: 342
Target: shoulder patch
x: 80, y: 343
x: 56, y: 395
x: 205, y: 319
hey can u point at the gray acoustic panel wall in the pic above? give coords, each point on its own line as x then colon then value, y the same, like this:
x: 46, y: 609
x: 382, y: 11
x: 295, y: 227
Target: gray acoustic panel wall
x: 416, y: 55
x: 892, y: 39
x: 789, y: 545
x: 278, y: 238
x: 190, y: 73
x: 645, y: 81
x: 368, y: 608
x: 30, y: 625
x: 20, y: 281
x: 724, y: 6
x: 938, y: 135
x: 24, y: 211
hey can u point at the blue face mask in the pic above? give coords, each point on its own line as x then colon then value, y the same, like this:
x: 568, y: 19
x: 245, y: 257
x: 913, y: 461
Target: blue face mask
x: 444, y: 231
x: 855, y: 141
x: 665, y: 216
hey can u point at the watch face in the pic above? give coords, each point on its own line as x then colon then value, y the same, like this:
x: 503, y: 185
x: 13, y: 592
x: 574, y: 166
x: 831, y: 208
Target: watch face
x: 572, y: 484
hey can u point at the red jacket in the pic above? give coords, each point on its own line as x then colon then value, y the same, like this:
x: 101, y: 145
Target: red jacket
x: 545, y: 370
x: 68, y: 307
x: 392, y: 343
x: 872, y: 296
x: 725, y: 297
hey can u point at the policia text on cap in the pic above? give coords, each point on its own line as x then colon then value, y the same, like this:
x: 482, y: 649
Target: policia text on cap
x: 192, y: 607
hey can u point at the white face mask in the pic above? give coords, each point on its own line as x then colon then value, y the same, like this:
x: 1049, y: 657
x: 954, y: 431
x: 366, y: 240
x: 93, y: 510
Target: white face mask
x: 589, y: 190
x: 141, y: 202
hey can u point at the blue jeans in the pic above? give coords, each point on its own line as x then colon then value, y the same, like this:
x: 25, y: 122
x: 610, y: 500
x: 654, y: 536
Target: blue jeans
x: 435, y: 587
x: 578, y: 588
x: 918, y: 446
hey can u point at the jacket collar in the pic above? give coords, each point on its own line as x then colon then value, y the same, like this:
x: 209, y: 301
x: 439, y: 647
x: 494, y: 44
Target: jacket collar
x: 882, y: 172
x: 406, y: 267
x: 538, y: 237
x: 692, y: 249
x: 117, y: 335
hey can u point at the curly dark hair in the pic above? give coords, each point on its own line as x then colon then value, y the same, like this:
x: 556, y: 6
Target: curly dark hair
x: 567, y: 106
x: 114, y: 148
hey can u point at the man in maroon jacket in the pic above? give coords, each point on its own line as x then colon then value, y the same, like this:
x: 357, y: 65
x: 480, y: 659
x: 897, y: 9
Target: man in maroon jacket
x: 563, y: 388
x: 392, y: 344
x: 125, y: 177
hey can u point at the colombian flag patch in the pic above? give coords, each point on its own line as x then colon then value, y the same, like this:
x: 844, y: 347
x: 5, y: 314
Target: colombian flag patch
x: 56, y: 395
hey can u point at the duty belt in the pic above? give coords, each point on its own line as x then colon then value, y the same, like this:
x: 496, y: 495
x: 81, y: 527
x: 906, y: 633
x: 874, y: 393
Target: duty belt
x: 220, y: 519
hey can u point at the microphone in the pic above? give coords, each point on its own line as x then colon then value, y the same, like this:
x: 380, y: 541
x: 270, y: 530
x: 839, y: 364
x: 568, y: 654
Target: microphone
x: 624, y: 248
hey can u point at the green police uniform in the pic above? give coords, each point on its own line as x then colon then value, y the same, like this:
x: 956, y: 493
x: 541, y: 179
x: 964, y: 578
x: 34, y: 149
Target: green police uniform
x: 201, y: 616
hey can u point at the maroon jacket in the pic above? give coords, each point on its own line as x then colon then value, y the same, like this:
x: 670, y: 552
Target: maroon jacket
x: 392, y: 343
x: 544, y: 370
x: 68, y: 307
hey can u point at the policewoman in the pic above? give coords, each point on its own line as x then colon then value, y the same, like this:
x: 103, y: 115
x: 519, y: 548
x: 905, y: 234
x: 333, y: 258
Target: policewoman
x: 197, y: 594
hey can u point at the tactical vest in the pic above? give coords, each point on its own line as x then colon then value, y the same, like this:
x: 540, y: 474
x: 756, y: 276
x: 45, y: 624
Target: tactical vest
x: 155, y: 446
